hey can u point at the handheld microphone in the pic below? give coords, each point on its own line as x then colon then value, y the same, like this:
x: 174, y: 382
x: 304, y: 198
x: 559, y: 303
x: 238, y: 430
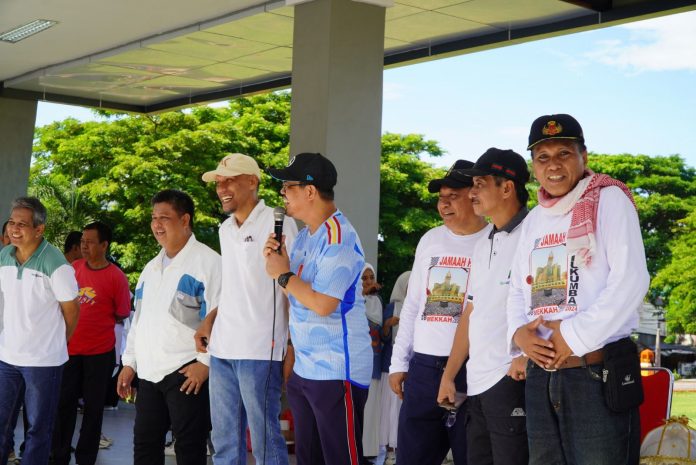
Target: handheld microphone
x: 279, y: 216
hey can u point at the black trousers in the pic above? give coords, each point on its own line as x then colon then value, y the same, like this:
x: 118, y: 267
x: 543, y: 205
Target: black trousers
x: 161, y: 405
x: 496, y: 429
x: 85, y: 376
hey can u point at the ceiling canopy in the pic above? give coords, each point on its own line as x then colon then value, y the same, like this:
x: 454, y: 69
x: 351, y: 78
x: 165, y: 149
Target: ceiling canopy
x: 149, y: 56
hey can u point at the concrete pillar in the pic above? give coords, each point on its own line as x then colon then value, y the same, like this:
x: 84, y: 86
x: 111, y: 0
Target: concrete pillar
x: 17, y: 119
x: 338, y: 62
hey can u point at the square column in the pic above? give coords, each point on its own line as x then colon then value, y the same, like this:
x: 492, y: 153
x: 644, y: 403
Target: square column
x: 338, y: 63
x: 17, y: 120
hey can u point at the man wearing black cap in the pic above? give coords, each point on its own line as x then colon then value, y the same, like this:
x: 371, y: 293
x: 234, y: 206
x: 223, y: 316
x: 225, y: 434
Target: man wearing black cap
x: 333, y: 352
x: 433, y: 306
x: 578, y: 278
x: 495, y: 426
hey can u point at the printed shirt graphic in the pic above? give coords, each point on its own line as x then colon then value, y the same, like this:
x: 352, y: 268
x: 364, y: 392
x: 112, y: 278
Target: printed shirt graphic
x: 448, y: 280
x: 103, y: 295
x: 552, y: 293
x: 337, y: 346
x: 437, y: 289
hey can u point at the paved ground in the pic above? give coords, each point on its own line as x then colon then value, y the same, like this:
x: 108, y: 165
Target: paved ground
x: 685, y: 385
x: 118, y: 425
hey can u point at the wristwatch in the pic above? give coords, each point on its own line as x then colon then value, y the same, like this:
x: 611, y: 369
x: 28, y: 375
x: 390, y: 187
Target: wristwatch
x: 284, y: 278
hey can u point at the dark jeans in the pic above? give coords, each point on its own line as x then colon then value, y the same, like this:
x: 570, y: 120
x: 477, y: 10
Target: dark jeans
x: 328, y: 418
x: 85, y: 376
x: 568, y: 422
x: 13, y: 425
x: 41, y: 387
x: 423, y: 436
x: 496, y: 429
x: 161, y: 405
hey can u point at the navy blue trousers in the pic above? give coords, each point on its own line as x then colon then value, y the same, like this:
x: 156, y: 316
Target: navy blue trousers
x: 328, y: 418
x: 423, y: 436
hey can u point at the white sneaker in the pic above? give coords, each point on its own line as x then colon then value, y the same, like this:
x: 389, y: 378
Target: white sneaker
x: 104, y: 442
x: 169, y: 449
x: 391, y: 458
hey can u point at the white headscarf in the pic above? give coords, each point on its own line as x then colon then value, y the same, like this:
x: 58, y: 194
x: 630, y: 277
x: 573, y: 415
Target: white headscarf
x: 373, y: 305
x: 398, y: 296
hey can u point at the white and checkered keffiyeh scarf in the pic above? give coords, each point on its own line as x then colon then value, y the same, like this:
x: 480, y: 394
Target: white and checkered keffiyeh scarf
x: 583, y: 200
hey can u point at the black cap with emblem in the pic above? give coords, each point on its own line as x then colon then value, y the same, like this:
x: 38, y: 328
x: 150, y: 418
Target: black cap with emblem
x: 559, y: 126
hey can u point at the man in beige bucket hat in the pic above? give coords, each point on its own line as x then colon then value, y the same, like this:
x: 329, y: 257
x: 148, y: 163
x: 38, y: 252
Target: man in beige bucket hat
x: 247, y: 335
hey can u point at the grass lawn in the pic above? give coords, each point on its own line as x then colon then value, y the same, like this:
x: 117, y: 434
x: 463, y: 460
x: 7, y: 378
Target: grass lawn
x: 684, y: 403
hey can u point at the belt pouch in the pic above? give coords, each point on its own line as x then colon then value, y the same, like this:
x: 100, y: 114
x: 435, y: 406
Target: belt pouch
x: 623, y: 387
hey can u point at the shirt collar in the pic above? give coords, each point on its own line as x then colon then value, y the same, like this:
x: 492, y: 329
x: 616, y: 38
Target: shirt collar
x: 512, y: 224
x: 39, y: 250
x: 253, y: 214
x: 178, y: 257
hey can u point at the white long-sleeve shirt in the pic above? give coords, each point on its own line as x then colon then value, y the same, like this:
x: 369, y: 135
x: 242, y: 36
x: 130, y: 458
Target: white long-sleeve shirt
x: 436, y: 294
x: 170, y: 303
x: 597, y: 304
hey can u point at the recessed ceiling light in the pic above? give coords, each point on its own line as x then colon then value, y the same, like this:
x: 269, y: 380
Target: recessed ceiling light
x: 26, y: 30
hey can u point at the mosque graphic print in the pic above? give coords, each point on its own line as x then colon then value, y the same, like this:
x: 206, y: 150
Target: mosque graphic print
x: 448, y: 278
x: 549, y: 272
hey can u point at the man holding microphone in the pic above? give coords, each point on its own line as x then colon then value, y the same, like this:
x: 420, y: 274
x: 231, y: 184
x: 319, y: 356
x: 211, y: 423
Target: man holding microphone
x: 333, y: 354
x: 247, y: 335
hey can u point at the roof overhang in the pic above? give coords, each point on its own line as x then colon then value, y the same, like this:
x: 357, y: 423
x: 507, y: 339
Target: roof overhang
x: 113, y: 55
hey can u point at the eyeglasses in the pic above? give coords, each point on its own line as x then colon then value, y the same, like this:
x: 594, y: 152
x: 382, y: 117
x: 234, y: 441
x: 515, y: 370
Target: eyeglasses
x: 287, y: 186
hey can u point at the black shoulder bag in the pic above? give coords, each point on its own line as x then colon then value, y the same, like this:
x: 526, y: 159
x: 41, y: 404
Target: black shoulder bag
x: 623, y: 387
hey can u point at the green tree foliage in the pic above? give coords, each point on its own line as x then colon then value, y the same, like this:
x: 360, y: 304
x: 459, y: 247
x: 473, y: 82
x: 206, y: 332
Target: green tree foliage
x: 110, y: 169
x: 676, y: 282
x: 663, y: 188
x: 407, y: 209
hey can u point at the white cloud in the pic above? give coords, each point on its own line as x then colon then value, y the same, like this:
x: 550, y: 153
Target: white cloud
x: 662, y: 44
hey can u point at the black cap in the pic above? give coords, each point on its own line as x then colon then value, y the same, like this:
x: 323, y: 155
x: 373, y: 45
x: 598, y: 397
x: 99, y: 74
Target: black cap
x: 497, y: 162
x: 308, y: 168
x: 454, y: 178
x: 559, y: 126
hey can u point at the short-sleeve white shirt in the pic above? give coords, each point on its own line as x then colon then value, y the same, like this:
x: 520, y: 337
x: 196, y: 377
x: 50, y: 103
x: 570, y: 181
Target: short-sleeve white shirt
x: 244, y: 329
x: 33, y: 326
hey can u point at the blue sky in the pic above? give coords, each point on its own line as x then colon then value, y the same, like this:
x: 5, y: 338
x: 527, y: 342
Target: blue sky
x: 632, y: 87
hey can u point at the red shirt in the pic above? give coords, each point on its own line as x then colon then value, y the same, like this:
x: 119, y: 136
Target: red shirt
x: 103, y: 295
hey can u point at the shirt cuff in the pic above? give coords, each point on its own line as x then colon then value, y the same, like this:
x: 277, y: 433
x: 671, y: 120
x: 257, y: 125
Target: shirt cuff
x: 572, y: 338
x: 204, y: 359
x: 129, y: 362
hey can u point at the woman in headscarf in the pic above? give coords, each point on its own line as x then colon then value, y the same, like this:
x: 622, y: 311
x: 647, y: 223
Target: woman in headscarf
x: 391, y: 404
x: 373, y: 311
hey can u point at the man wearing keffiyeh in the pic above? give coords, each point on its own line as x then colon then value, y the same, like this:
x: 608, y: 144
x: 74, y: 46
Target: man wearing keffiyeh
x: 578, y: 278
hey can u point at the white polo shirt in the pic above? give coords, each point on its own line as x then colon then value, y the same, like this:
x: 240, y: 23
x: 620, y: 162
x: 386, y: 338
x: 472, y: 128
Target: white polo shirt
x: 170, y: 303
x: 33, y: 325
x: 243, y: 329
x: 436, y: 293
x: 489, y: 359
x: 597, y: 304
